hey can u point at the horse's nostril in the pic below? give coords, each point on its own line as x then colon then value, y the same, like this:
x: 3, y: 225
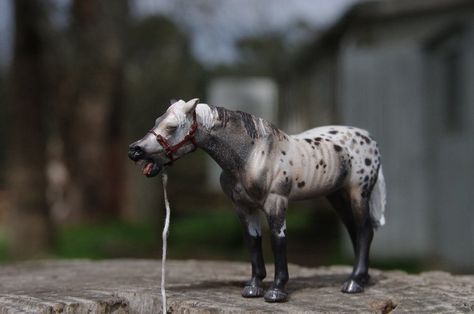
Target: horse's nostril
x: 135, y: 152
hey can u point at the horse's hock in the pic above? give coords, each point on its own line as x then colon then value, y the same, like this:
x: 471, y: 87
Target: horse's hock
x: 123, y: 286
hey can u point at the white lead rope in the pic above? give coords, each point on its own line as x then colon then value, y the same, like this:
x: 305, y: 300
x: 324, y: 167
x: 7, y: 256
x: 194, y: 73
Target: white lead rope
x: 166, y: 227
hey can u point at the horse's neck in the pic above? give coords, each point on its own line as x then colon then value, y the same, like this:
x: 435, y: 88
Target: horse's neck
x: 229, y: 136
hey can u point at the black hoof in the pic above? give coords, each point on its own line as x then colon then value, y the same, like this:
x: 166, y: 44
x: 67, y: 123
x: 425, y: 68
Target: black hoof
x: 351, y: 286
x: 276, y: 295
x: 252, y: 291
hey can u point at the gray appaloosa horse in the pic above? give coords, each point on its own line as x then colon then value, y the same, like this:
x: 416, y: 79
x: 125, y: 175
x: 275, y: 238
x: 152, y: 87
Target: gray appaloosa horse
x: 263, y: 168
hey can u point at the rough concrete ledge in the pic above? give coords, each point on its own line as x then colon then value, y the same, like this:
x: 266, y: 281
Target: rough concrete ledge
x: 133, y: 286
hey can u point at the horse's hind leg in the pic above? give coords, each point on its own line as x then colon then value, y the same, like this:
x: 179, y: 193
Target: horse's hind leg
x: 253, y: 238
x: 364, y: 233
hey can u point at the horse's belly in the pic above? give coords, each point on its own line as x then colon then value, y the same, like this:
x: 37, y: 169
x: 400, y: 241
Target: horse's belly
x: 317, y: 186
x: 296, y: 195
x: 318, y: 172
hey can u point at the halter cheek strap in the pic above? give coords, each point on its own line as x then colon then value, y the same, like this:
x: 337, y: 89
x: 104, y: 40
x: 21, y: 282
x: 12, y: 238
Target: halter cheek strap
x: 171, y: 149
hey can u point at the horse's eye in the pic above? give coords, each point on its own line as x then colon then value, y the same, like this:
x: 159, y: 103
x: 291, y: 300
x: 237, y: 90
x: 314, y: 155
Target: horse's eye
x: 172, y: 128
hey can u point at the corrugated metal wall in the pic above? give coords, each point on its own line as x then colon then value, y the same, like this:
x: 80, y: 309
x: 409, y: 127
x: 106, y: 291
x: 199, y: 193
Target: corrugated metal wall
x: 385, y: 79
x: 380, y: 90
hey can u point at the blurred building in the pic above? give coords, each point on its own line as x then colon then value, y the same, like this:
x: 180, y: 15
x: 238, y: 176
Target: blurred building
x: 404, y: 70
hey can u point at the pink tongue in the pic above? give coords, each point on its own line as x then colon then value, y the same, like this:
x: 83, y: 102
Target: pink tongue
x: 146, y: 170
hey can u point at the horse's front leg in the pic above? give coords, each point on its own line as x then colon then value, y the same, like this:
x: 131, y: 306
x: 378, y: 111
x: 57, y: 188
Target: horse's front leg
x: 275, y: 209
x: 253, y: 238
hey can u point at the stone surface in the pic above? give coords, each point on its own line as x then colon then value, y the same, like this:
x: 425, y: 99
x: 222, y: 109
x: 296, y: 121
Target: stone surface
x: 133, y: 286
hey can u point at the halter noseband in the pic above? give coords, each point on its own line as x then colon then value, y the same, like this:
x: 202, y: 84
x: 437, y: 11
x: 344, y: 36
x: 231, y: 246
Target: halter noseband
x: 171, y: 149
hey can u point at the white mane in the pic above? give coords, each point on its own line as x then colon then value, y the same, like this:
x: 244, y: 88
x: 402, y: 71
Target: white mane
x: 206, y: 115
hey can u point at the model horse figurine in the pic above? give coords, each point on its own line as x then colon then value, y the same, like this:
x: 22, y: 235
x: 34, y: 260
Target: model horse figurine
x: 263, y: 168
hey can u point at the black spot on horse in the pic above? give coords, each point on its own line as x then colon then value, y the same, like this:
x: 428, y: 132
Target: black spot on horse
x: 308, y: 140
x: 333, y: 132
x: 321, y: 162
x: 283, y: 152
x: 284, y: 172
x: 366, y: 179
x: 366, y: 139
x: 368, y: 161
x: 291, y: 163
x: 337, y: 148
x: 301, y: 184
x: 263, y: 152
x: 317, y: 139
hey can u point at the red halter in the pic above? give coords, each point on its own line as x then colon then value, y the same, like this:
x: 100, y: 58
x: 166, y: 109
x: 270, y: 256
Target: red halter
x: 171, y: 149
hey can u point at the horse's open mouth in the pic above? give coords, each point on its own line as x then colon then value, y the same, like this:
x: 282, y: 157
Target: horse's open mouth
x: 150, y: 168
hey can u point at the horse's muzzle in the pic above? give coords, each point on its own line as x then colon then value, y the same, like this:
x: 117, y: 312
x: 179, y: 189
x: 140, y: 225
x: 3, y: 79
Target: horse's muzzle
x: 135, y: 153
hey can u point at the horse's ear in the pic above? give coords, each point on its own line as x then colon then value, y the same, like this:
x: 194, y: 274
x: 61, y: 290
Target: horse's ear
x: 191, y: 105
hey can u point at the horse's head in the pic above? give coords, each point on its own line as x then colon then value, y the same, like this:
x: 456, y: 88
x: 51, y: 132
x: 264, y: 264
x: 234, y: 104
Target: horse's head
x: 171, y: 137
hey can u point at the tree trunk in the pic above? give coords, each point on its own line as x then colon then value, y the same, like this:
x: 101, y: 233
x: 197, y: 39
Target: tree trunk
x: 28, y: 221
x: 92, y: 135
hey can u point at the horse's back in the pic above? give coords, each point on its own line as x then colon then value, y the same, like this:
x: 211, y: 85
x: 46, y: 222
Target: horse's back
x: 330, y: 131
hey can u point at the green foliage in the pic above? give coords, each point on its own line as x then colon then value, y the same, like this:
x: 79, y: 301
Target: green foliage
x: 210, y: 235
x: 207, y: 235
x: 107, y: 240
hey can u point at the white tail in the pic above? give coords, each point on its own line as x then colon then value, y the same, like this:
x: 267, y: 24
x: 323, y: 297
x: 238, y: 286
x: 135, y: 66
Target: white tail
x: 378, y: 200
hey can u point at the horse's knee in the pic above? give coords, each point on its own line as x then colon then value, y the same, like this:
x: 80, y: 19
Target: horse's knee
x: 275, y: 210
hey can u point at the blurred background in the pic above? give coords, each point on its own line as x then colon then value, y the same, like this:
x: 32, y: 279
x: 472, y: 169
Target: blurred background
x: 81, y: 79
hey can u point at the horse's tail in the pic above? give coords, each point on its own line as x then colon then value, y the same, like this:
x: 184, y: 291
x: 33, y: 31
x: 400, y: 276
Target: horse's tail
x: 378, y: 199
